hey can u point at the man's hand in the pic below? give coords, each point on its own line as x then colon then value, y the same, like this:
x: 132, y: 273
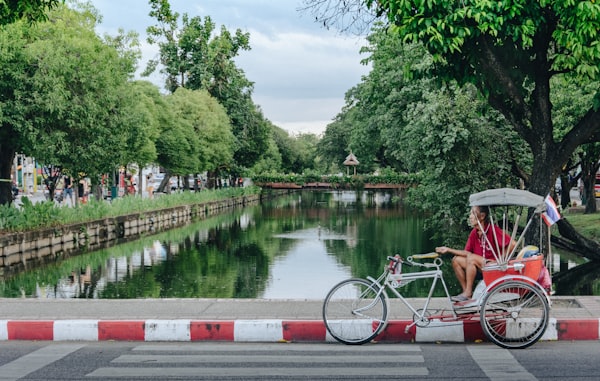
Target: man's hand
x: 442, y: 250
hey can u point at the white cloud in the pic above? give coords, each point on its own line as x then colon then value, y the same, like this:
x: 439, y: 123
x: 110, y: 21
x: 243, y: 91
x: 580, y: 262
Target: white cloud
x: 300, y: 70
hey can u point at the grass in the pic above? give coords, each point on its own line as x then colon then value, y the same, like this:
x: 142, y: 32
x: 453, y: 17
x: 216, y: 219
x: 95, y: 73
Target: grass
x: 47, y: 214
x: 587, y: 225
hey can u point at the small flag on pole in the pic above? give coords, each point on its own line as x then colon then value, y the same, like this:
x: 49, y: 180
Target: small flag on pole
x: 551, y: 215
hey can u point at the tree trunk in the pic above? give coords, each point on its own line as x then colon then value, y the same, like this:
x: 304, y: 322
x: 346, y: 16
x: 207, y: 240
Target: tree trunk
x: 211, y: 179
x: 7, y: 156
x: 141, y: 183
x: 565, y: 191
x: 579, y: 244
x: 590, y: 205
x: 165, y: 184
x: 540, y: 183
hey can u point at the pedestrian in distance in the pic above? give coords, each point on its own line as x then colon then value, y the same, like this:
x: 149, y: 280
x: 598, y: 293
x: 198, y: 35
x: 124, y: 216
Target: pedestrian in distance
x: 68, y: 189
x: 149, y: 185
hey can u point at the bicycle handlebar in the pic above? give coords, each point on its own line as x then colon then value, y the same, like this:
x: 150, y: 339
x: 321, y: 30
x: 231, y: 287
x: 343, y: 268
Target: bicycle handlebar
x: 425, y: 256
x: 409, y: 261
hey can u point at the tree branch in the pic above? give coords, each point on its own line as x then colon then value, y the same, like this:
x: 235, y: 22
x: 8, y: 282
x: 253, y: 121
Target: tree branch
x: 509, y: 100
x: 579, y: 244
x: 587, y: 130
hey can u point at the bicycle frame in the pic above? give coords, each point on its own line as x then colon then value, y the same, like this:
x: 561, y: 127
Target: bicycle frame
x: 393, y: 281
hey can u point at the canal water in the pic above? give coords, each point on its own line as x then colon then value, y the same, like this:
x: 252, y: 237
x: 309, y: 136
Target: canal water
x: 293, y: 247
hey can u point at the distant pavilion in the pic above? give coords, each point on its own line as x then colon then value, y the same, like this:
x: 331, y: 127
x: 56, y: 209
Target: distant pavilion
x: 351, y: 160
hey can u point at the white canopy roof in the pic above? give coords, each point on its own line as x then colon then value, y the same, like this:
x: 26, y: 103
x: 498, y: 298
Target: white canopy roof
x: 506, y: 196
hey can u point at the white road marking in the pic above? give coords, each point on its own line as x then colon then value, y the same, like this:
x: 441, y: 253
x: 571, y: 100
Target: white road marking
x: 499, y: 364
x: 36, y: 360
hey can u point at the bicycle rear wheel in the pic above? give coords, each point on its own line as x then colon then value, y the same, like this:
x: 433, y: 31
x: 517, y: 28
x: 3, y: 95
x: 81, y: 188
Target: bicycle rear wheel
x: 355, y: 311
x: 514, y: 314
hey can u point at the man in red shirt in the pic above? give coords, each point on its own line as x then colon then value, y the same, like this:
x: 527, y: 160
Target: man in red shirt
x: 486, y: 242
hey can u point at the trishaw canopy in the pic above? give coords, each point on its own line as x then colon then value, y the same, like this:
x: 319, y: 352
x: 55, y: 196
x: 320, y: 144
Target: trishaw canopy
x: 506, y: 196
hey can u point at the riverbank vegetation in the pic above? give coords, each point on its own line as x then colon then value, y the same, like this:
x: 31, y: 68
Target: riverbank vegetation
x: 385, y: 176
x: 47, y: 214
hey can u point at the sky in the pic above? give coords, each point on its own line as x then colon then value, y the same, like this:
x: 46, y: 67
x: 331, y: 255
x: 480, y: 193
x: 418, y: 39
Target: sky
x: 301, y: 71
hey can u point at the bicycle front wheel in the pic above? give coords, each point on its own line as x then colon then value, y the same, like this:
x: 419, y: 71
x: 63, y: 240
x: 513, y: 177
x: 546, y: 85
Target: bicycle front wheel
x: 514, y: 314
x: 355, y: 311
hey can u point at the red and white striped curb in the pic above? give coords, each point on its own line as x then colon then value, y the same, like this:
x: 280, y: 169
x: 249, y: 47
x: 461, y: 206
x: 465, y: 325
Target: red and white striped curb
x: 264, y: 330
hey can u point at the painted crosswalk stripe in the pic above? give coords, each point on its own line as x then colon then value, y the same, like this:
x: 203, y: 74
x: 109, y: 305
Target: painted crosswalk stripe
x: 267, y: 359
x: 499, y: 364
x: 36, y: 360
x: 204, y: 372
x: 270, y: 360
x: 278, y: 347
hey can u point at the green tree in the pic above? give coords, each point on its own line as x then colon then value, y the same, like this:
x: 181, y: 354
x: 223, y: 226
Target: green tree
x: 80, y: 108
x: 197, y: 58
x: 208, y: 122
x: 13, y: 64
x: 398, y: 78
x: 144, y: 126
x: 511, y: 51
x: 307, y: 150
x: 334, y: 146
x: 179, y: 144
x: 31, y: 10
x: 270, y: 161
x: 415, y: 123
x: 63, y: 94
x: 570, y: 103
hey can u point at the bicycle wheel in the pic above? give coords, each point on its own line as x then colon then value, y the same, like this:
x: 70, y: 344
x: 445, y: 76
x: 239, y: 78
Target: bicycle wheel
x: 514, y: 314
x: 355, y: 311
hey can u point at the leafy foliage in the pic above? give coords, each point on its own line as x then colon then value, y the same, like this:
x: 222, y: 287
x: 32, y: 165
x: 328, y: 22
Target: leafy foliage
x: 31, y: 10
x: 482, y: 42
x: 340, y: 181
x: 402, y: 116
x: 64, y: 100
x: 510, y: 51
x: 79, y: 100
x: 207, y: 126
x: 47, y: 214
x: 195, y: 57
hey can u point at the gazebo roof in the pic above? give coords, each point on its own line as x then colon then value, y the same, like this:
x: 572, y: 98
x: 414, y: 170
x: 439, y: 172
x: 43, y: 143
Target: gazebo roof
x: 351, y: 160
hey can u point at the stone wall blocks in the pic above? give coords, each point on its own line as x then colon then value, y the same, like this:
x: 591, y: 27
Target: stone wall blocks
x: 25, y: 249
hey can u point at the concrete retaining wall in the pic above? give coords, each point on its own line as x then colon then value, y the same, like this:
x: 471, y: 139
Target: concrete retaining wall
x: 28, y: 249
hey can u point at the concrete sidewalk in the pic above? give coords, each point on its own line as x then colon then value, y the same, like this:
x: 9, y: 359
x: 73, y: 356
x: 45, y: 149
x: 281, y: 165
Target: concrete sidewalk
x: 248, y: 320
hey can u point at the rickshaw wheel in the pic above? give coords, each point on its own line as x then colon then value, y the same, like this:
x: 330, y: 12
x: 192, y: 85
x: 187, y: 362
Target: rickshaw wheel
x: 355, y: 311
x: 514, y: 314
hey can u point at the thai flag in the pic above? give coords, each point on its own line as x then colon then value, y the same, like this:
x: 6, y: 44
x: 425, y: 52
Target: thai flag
x: 551, y: 215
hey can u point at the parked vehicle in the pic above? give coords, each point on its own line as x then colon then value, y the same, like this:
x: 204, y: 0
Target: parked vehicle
x: 597, y: 186
x: 159, y: 177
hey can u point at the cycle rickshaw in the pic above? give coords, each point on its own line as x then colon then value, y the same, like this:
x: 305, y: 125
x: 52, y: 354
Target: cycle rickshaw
x: 511, y: 302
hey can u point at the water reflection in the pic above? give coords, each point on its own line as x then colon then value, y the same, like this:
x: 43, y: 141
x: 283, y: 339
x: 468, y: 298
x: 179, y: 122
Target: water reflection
x: 304, y: 272
x: 295, y: 247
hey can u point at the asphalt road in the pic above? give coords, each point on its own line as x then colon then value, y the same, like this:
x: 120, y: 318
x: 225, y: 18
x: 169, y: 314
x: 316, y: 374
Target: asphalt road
x: 258, y: 361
